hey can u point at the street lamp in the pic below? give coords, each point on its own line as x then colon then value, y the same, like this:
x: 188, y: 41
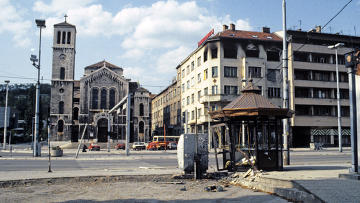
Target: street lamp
x: 336, y: 46
x: 36, y: 63
x: 5, y: 119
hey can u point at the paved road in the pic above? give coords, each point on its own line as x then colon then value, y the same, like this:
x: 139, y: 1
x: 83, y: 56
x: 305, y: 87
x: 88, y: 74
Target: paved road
x: 143, y: 159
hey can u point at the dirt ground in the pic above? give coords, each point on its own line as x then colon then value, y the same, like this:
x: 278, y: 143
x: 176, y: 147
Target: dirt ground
x: 132, y: 190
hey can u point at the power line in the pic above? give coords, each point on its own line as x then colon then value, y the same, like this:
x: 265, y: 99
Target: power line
x: 337, y: 14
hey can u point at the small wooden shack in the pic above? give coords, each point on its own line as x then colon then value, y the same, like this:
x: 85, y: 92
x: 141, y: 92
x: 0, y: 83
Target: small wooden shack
x: 250, y: 127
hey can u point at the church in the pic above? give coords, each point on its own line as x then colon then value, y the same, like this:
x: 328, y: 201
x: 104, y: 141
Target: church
x: 86, y: 102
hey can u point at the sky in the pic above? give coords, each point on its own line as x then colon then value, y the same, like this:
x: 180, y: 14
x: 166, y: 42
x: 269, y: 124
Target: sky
x: 147, y: 38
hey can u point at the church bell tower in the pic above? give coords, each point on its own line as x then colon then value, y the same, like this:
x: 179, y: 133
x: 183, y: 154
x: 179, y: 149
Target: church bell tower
x: 62, y: 80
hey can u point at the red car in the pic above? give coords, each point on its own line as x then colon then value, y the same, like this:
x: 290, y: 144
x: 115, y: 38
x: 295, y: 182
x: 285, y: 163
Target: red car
x: 120, y: 146
x: 94, y: 147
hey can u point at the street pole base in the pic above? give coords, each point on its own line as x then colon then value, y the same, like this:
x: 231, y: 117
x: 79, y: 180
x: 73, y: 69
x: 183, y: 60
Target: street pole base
x: 286, y: 158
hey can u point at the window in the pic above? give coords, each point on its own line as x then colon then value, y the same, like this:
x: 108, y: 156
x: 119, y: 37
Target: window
x: 183, y: 102
x: 112, y: 98
x: 192, y: 65
x: 303, y: 110
x: 60, y: 126
x: 214, y: 71
x: 62, y: 73
x: 188, y: 84
x: 205, y: 55
x: 187, y: 100
x: 199, y: 61
x: 230, y: 51
x: 205, y: 74
x: 192, y: 115
x: 187, y: 70
x: 254, y: 72
x: 252, y: 51
x: 141, y: 109
x: 58, y: 37
x: 141, y: 127
x: 76, y: 113
x: 273, y: 92
x: 183, y: 73
x: 192, y: 81
x: 271, y: 75
x: 198, y: 112
x: 230, y: 72
x: 273, y: 55
x: 214, y: 90
x: 199, y: 78
x: 63, y: 37
x: 183, y: 87
x: 192, y: 98
x: 103, y: 99
x: 199, y: 95
x: 95, y: 98
x: 68, y: 37
x: 214, y: 52
x: 230, y: 89
x: 206, y: 91
x: 61, y: 107
x: 322, y: 111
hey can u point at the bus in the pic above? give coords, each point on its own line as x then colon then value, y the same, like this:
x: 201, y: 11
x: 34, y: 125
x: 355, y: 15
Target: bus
x: 161, y: 138
x: 162, y: 142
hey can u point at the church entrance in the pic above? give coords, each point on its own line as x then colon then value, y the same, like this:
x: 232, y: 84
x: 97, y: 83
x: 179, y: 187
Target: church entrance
x: 102, y: 125
x: 74, y: 133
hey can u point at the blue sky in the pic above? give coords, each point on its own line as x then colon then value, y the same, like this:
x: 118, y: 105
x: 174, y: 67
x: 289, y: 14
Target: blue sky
x: 147, y: 38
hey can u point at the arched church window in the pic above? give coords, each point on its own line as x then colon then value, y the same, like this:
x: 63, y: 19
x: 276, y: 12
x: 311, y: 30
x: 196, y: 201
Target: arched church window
x: 103, y: 99
x: 61, y: 107
x: 60, y: 126
x: 63, y: 37
x: 141, y: 109
x: 58, y: 37
x: 95, y: 98
x: 112, y: 98
x: 141, y: 127
x: 62, y: 73
x: 68, y: 37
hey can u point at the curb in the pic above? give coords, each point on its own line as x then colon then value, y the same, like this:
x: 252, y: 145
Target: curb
x: 99, y: 178
x: 287, y: 189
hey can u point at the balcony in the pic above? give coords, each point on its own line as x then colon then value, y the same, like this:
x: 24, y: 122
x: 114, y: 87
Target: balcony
x: 317, y: 101
x: 217, y: 98
x: 319, y: 84
x: 320, y: 121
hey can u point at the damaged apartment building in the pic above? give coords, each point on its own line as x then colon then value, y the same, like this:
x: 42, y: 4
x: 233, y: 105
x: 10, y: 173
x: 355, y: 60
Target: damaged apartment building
x: 217, y: 70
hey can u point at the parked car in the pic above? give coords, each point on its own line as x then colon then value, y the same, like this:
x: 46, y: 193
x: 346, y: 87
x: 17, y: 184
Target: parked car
x: 152, y: 146
x: 94, y: 147
x: 138, y: 146
x: 120, y: 146
x: 172, y: 145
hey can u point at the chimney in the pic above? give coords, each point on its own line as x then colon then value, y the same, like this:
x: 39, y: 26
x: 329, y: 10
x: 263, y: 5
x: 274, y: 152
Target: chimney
x: 318, y: 29
x: 225, y: 27
x: 232, y: 26
x: 266, y: 29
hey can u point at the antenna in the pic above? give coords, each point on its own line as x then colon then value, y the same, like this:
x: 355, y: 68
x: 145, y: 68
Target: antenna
x: 300, y: 24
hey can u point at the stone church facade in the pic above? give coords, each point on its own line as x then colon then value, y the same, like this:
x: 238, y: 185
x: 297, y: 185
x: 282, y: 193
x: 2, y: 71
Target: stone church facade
x: 75, y: 103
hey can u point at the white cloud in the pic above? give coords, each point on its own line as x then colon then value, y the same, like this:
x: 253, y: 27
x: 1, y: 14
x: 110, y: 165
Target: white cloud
x: 12, y: 22
x: 163, y: 33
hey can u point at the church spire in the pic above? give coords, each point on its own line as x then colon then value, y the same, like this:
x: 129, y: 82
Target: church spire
x: 65, y: 16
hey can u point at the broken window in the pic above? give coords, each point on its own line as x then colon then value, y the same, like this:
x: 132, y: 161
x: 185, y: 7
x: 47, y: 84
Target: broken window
x: 230, y: 51
x: 205, y: 54
x: 214, y: 52
x: 273, y: 55
x: 252, y: 51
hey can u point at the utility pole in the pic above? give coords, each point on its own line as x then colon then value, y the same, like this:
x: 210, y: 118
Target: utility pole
x: 40, y: 24
x: 127, y: 124
x: 285, y: 88
x: 5, y: 119
x: 336, y: 46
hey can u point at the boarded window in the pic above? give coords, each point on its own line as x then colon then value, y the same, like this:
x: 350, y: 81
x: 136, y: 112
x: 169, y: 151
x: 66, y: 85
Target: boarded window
x: 141, y: 109
x: 111, y: 98
x: 103, y: 99
x: 68, y: 37
x: 63, y: 37
x: 95, y: 98
x: 62, y: 73
x: 58, y: 37
x: 61, y: 107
